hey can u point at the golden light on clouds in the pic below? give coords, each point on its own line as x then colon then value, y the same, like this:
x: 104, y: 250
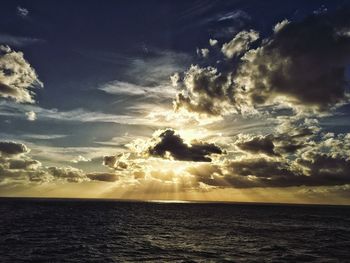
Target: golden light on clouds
x: 243, y: 119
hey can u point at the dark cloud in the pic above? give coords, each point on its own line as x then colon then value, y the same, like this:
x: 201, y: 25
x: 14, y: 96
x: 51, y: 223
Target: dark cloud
x: 289, y: 137
x: 302, y: 64
x: 24, y: 164
x: 323, y: 170
x: 105, y: 177
x: 259, y: 167
x: 290, y: 147
x: 170, y: 143
x: 259, y: 144
x: 272, y: 145
x: 316, y: 159
x: 12, y: 148
x: 330, y: 169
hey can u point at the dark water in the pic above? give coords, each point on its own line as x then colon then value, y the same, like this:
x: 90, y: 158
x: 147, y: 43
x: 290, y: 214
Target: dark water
x: 109, y: 231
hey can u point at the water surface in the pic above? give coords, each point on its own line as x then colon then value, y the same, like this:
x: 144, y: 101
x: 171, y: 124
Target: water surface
x: 62, y: 230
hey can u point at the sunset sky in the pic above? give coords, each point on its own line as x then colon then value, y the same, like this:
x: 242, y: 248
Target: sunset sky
x: 176, y: 100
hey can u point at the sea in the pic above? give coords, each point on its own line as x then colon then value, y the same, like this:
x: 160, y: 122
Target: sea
x: 78, y: 230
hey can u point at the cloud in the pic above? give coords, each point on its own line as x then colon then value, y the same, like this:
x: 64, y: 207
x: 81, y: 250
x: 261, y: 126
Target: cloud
x: 287, y: 138
x: 156, y: 67
x: 259, y: 144
x: 213, y: 42
x: 117, y: 162
x: 260, y: 172
x: 12, y: 148
x: 327, y: 169
x: 18, y: 41
x: 44, y: 136
x: 80, y: 158
x: 174, y: 79
x: 167, y: 144
x: 27, y: 164
x: 301, y: 65
x: 76, y: 115
x: 119, y: 87
x: 229, y: 23
x: 17, y: 77
x: 233, y: 15
x: 205, y: 91
x: 23, y: 12
x: 104, y: 177
x: 202, y: 52
x: 320, y: 159
x: 259, y: 167
x: 16, y: 165
x: 280, y: 25
x: 70, y: 174
x: 240, y: 43
x: 31, y: 115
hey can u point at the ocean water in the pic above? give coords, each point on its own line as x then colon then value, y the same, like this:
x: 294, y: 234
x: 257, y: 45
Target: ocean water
x: 44, y: 230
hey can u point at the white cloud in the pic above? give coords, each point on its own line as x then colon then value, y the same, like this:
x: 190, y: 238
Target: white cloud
x: 23, y: 12
x: 120, y: 87
x: 213, y: 42
x: 17, y: 77
x: 18, y: 41
x: 205, y: 52
x: 280, y: 25
x: 31, y: 115
x: 240, y: 43
x: 80, y: 158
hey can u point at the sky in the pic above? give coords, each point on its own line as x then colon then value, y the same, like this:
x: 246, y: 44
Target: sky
x: 236, y: 100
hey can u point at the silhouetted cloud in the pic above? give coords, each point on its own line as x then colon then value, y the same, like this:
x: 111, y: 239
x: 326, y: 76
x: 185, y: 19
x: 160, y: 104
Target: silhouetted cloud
x: 259, y: 167
x: 12, y: 148
x: 259, y: 144
x: 168, y: 144
x: 105, y: 177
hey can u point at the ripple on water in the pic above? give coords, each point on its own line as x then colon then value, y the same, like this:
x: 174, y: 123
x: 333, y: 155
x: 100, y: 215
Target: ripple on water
x: 99, y: 231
